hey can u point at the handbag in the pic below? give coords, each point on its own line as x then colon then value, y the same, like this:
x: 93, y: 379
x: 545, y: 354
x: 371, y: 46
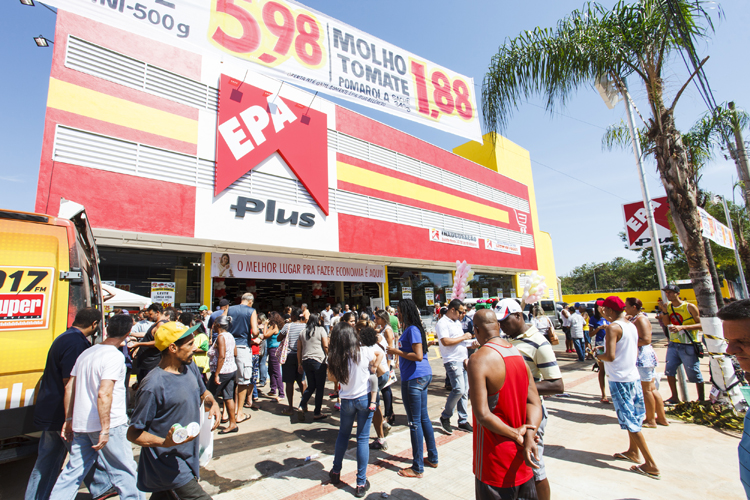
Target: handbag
x: 552, y: 335
x: 283, y: 349
x: 205, y: 438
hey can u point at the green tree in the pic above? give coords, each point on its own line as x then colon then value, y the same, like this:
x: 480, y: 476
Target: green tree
x: 628, y: 40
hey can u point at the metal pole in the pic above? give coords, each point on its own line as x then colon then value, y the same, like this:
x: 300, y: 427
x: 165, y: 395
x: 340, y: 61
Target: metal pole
x: 658, y: 260
x: 682, y: 388
x: 596, y: 287
x: 736, y: 252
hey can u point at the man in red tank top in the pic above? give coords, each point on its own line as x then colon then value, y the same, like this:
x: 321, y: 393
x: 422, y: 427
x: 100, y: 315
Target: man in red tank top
x: 507, y: 411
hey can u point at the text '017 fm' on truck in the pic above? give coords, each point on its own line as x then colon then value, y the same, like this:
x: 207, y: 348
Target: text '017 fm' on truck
x: 49, y: 269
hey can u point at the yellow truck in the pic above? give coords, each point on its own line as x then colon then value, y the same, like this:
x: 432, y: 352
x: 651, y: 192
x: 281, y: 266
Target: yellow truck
x: 49, y: 269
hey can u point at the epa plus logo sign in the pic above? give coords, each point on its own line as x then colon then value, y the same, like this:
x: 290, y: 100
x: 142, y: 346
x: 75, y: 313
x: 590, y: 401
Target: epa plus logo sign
x: 254, y: 123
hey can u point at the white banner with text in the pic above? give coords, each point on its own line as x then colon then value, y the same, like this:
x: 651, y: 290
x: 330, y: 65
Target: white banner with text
x: 283, y: 268
x: 291, y: 42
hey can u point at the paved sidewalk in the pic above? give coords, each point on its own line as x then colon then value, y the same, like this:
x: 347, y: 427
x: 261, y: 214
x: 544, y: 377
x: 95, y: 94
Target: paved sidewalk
x: 582, y: 436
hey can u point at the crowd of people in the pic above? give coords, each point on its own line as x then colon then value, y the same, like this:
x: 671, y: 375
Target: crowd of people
x: 221, y: 361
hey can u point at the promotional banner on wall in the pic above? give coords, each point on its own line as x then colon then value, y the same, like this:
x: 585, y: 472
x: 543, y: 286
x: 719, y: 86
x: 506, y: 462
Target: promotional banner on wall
x: 261, y: 267
x: 429, y: 294
x: 453, y: 238
x: 163, y: 293
x: 715, y: 230
x: 636, y: 223
x: 296, y: 44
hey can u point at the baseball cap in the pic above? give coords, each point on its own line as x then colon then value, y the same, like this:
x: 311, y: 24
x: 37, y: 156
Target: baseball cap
x: 223, y: 303
x: 203, y: 308
x: 577, y: 305
x: 169, y: 333
x: 505, y: 308
x: 600, y: 302
x: 671, y: 288
x: 614, y: 302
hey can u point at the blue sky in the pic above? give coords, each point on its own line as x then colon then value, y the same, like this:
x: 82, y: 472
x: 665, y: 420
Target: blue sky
x: 583, y: 220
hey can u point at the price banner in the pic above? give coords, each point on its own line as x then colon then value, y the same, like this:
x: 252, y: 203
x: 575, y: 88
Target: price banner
x: 405, y: 292
x: 290, y: 42
x: 25, y: 297
x: 163, y: 293
x: 429, y: 294
x: 715, y: 230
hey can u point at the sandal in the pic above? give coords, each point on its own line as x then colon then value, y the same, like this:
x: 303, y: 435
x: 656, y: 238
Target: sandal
x: 225, y: 431
x: 247, y: 417
x: 287, y: 411
x: 409, y: 472
x: 638, y: 470
x: 605, y: 400
x: 430, y: 464
x: 622, y: 456
x: 322, y: 416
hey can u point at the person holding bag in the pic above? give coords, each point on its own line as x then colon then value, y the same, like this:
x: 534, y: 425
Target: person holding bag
x: 312, y: 349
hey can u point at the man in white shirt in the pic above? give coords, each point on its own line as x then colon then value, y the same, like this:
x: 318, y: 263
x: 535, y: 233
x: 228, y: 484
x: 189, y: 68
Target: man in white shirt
x: 141, y: 327
x: 327, y: 314
x: 452, y: 341
x: 95, y: 419
x: 576, y: 332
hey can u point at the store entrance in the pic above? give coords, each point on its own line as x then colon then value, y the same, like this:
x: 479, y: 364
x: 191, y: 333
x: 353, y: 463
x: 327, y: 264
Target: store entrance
x: 275, y: 295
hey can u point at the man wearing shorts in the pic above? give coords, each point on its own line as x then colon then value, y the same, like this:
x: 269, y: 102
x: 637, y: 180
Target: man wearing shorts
x: 244, y: 328
x: 683, y: 331
x: 540, y: 358
x: 619, y: 357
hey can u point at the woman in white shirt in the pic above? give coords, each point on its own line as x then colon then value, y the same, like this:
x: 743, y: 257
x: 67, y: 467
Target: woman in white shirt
x: 221, y: 358
x: 350, y: 365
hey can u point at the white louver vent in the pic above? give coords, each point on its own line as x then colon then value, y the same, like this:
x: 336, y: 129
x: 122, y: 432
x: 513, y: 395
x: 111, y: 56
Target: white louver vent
x: 87, y: 149
x: 107, y: 64
x: 383, y: 157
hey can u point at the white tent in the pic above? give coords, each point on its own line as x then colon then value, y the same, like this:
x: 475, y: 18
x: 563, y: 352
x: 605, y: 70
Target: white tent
x: 114, y: 297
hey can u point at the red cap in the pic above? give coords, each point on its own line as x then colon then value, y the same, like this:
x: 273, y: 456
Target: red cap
x: 600, y: 302
x: 615, y: 303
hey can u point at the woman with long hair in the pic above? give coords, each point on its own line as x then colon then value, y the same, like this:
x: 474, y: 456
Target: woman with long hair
x: 416, y: 376
x: 646, y: 364
x: 386, y: 340
x: 312, y: 350
x: 289, y: 370
x: 274, y: 326
x: 350, y: 365
x: 221, y: 357
x: 599, y: 325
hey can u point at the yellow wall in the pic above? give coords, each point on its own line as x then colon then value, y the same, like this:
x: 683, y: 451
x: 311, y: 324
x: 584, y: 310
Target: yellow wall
x: 648, y: 297
x: 511, y: 160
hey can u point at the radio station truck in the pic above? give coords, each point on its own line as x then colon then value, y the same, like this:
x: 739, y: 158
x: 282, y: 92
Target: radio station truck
x: 49, y: 269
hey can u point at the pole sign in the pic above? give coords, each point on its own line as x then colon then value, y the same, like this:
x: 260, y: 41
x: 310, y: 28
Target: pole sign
x: 291, y: 42
x: 715, y: 230
x: 636, y: 223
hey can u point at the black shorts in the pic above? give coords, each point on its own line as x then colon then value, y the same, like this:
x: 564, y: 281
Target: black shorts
x: 225, y: 389
x: 289, y: 371
x: 525, y: 491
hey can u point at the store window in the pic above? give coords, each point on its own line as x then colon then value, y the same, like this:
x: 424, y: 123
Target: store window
x: 426, y: 288
x: 492, y: 285
x: 134, y: 270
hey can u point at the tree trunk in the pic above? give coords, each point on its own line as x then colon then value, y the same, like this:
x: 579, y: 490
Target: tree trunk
x: 680, y: 185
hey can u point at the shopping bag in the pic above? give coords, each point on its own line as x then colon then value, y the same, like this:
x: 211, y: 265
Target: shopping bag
x: 205, y: 439
x: 283, y: 350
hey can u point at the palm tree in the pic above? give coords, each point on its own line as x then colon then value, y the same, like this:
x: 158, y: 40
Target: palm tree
x: 628, y: 40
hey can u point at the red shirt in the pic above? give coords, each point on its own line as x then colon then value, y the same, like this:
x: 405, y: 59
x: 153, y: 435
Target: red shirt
x: 499, y: 461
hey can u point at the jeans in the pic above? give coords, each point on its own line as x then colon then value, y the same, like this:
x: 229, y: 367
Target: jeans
x: 351, y: 409
x: 263, y: 368
x: 414, y: 395
x: 274, y: 371
x: 315, y: 373
x: 116, y: 457
x: 580, y: 349
x: 459, y: 394
x: 49, y: 461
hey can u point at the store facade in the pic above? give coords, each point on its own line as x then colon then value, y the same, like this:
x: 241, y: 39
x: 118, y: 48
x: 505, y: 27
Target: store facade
x: 236, y: 182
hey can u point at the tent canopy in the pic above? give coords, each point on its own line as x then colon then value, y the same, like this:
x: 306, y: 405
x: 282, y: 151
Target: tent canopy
x: 114, y: 297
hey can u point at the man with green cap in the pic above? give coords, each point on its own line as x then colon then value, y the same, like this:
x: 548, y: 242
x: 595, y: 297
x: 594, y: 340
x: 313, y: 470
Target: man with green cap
x: 171, y: 394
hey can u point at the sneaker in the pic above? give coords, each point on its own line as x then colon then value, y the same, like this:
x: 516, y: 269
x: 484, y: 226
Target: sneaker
x: 466, y: 426
x: 107, y: 494
x: 386, y: 429
x: 337, y: 407
x: 446, y: 423
x: 379, y: 444
x: 362, y: 490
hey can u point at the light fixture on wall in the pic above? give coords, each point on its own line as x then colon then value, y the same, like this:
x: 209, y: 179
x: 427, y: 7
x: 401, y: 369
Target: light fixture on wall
x: 30, y: 3
x: 42, y: 42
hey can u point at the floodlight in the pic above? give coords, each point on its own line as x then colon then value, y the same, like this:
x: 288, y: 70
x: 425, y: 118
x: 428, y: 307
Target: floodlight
x: 41, y: 41
x: 30, y: 3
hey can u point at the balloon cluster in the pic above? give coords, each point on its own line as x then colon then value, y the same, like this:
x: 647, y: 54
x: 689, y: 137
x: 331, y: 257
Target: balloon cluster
x: 464, y: 274
x: 317, y: 289
x: 534, y: 289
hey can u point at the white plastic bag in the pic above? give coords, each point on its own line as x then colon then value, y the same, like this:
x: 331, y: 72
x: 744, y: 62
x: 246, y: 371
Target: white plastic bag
x: 205, y: 439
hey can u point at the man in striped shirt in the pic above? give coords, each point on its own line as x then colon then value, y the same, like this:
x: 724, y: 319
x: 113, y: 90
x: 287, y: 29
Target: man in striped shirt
x: 540, y: 358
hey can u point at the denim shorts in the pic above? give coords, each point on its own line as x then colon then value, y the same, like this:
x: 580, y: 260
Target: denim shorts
x: 683, y: 354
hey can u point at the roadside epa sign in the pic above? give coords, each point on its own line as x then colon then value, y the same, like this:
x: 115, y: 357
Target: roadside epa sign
x: 636, y: 223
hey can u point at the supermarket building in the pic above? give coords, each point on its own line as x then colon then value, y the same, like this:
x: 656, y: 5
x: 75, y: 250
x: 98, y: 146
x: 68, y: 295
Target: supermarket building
x: 324, y: 205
